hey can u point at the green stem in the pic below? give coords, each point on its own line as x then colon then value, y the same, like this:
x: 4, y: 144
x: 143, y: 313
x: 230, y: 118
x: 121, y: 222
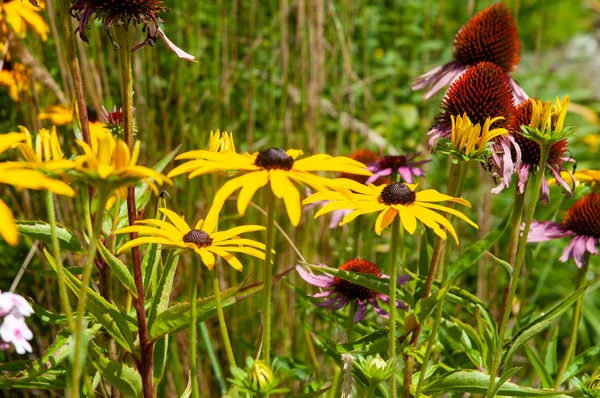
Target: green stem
x: 456, y: 192
x: 62, y: 287
x: 268, y: 272
x: 350, y: 321
x: 214, y: 361
x: 393, y: 309
x: 577, y: 312
x: 520, y: 257
x: 193, y: 328
x: 221, y: 316
x: 85, y: 281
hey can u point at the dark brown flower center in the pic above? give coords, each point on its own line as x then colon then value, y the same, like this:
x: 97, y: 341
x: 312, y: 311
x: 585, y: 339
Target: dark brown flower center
x: 364, y: 156
x: 274, y: 159
x: 481, y: 92
x: 393, y: 162
x: 198, y: 237
x: 583, y: 217
x: 489, y: 36
x: 398, y: 194
x: 353, y: 290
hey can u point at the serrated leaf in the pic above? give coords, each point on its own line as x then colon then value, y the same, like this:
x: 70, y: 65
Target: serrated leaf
x: 471, y: 381
x: 40, y: 230
x: 124, y: 378
x: 542, y: 322
x: 118, y: 269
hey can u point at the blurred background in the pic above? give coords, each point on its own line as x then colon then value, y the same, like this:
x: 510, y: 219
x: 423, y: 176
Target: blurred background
x: 321, y: 75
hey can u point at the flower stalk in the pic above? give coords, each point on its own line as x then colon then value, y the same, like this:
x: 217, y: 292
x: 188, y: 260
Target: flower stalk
x: 577, y: 313
x: 393, y: 284
x: 520, y: 257
x: 268, y: 272
x: 193, y: 327
x: 85, y: 281
x: 221, y: 316
x: 145, y: 365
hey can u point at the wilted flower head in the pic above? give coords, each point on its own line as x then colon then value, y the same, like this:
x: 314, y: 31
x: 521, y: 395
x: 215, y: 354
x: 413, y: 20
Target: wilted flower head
x: 13, y: 311
x: 490, y: 36
x: 482, y: 92
x: 123, y: 13
x: 404, y: 165
x: 582, y: 222
x: 524, y: 157
x: 343, y: 292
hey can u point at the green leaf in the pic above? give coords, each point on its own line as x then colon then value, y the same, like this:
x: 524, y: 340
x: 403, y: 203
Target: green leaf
x: 104, y: 312
x: 424, y: 307
x: 538, y: 366
x: 364, y: 343
x: 161, y: 349
x: 162, y: 293
x: 542, y: 322
x: 505, y: 266
x: 118, y: 269
x: 504, y: 378
x: 472, y: 254
x: 40, y: 230
x: 47, y: 316
x: 471, y: 381
x: 177, y: 317
x: 51, y: 380
x: 580, y: 361
x: 550, y: 359
x: 124, y: 378
x: 314, y: 394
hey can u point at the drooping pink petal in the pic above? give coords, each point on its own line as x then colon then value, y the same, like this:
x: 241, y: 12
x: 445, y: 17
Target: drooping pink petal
x: 178, y: 51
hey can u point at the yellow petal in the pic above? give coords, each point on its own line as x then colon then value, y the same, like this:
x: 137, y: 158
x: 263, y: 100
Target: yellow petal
x: 246, y: 250
x: 145, y: 240
x: 423, y: 216
x: 230, y: 258
x: 240, y: 242
x: 451, y: 211
x: 408, y: 220
x: 8, y: 226
x: 431, y: 195
x: 223, y: 235
x: 283, y: 188
x: 221, y: 196
x: 179, y: 222
x: 248, y: 190
x: 207, y: 257
x: 384, y: 219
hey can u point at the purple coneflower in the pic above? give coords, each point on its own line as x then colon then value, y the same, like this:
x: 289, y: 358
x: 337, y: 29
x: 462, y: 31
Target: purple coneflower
x: 123, y: 13
x: 524, y: 158
x: 404, y: 165
x: 341, y: 292
x: 582, y: 222
x: 482, y: 92
x: 490, y: 36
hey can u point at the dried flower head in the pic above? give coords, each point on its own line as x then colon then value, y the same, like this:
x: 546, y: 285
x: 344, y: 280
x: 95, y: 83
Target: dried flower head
x: 123, y: 13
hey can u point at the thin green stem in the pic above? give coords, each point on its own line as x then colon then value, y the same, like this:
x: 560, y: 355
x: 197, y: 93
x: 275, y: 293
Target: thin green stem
x: 221, y: 316
x: 85, y: 281
x: 193, y: 328
x: 393, y: 309
x: 214, y: 361
x: 268, y: 273
x: 577, y: 312
x: 457, y: 192
x: 62, y: 287
x: 350, y: 320
x: 520, y: 257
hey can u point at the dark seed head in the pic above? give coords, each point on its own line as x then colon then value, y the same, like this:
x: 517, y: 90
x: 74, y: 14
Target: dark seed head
x: 352, y: 290
x: 393, y: 162
x: 274, y: 159
x: 364, y: 156
x: 583, y: 217
x: 398, y: 194
x: 198, y: 237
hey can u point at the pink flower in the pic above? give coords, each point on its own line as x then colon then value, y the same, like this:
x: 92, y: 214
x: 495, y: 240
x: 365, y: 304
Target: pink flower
x: 14, y: 309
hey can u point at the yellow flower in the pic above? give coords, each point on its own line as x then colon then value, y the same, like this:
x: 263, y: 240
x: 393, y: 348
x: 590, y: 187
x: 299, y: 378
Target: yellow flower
x: 10, y: 140
x: 17, y: 78
x: 221, y: 142
x: 203, y: 239
x: 589, y: 177
x: 108, y: 164
x: 46, y: 154
x: 391, y: 201
x: 470, y: 139
x: 549, y: 116
x: 58, y: 115
x: 20, y: 15
x: 274, y: 166
x: 593, y: 141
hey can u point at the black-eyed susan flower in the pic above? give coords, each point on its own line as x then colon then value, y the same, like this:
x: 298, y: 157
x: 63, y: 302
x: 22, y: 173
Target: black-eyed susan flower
x: 582, y: 223
x: 21, y: 176
x: 45, y: 153
x: 17, y: 78
x: 340, y: 292
x: 482, y: 92
x: 109, y: 165
x: 524, y: 158
x: 123, y: 14
x: 490, y: 36
x: 21, y: 16
x: 272, y: 166
x: 202, y: 239
x: 391, y: 201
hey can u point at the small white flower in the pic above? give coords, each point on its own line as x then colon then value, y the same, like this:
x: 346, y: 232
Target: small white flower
x: 15, y: 304
x: 14, y: 330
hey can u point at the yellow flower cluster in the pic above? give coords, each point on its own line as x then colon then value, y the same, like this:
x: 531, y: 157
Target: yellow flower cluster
x: 549, y: 116
x: 470, y: 139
